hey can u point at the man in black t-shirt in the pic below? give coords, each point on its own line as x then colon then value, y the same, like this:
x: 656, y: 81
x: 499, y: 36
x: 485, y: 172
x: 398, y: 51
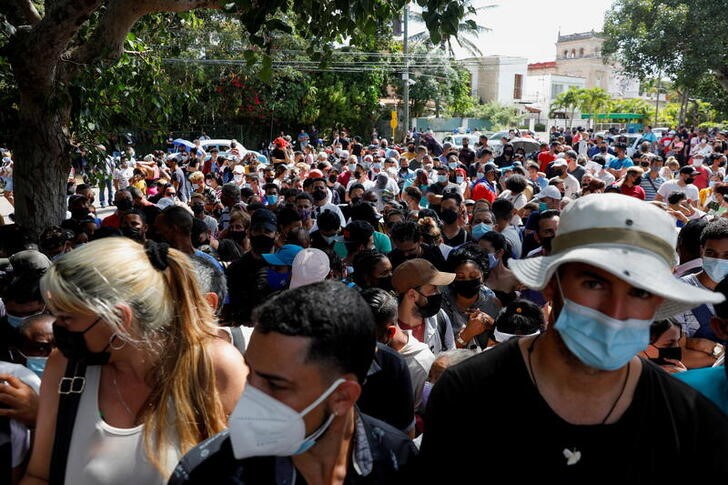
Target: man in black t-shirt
x: 577, y: 400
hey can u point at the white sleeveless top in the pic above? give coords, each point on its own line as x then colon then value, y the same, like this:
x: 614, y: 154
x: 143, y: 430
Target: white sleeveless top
x: 101, y: 454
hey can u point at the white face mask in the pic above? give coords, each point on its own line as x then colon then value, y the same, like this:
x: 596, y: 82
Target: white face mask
x: 698, y: 162
x: 261, y: 425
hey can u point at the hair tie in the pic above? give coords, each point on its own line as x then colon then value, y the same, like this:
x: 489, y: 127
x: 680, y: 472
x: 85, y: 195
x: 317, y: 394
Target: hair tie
x: 157, y: 254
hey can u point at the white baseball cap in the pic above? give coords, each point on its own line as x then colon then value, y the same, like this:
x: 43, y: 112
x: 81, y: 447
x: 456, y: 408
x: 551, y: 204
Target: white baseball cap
x: 310, y: 265
x: 548, y: 191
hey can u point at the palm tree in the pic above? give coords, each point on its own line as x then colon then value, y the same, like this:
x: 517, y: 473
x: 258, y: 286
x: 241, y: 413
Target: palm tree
x: 592, y: 101
x: 465, y: 32
x: 568, y: 100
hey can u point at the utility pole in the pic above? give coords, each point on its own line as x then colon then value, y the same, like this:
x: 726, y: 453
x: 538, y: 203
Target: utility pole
x: 405, y: 76
x: 657, y: 98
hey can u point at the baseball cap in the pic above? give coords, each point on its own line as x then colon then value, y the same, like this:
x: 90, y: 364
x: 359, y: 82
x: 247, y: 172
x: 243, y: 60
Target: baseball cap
x: 239, y: 169
x: 284, y: 256
x: 690, y: 170
x: 549, y: 191
x: 358, y: 231
x: 29, y: 260
x: 417, y: 272
x: 310, y: 265
x: 560, y: 162
x: 264, y: 219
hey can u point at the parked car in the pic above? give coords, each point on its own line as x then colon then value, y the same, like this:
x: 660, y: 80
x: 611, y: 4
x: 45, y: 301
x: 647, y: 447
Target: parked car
x: 633, y: 141
x: 457, y: 139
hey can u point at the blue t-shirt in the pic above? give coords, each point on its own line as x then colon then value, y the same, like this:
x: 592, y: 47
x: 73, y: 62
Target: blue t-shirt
x: 711, y: 382
x: 618, y: 164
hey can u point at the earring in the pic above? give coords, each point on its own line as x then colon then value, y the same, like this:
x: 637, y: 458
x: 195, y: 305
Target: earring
x: 111, y: 342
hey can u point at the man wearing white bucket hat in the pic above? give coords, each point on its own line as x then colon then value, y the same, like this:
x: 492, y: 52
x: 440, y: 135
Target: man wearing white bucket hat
x: 576, y: 400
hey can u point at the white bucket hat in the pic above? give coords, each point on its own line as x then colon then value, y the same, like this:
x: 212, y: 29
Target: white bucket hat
x: 625, y: 236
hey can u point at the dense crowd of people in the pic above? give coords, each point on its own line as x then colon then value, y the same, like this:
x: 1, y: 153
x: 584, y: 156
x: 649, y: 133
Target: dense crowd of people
x: 355, y: 311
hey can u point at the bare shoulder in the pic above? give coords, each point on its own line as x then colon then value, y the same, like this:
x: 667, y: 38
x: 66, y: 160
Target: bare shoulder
x: 230, y: 371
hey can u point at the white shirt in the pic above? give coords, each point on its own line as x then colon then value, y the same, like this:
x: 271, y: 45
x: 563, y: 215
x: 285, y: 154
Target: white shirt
x: 690, y: 191
x: 419, y: 359
x: 19, y: 433
x: 571, y: 185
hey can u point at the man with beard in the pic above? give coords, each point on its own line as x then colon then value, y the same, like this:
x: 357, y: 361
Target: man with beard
x: 243, y: 291
x: 548, y: 222
x: 134, y: 225
x: 416, y: 283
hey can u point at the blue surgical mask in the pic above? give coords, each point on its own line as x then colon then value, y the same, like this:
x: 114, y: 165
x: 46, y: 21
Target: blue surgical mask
x: 271, y: 199
x: 36, y: 364
x: 453, y: 165
x: 442, y: 178
x: 715, y: 268
x: 376, y: 166
x: 460, y: 179
x: 14, y: 320
x: 599, y: 340
x: 492, y: 261
x: 480, y: 229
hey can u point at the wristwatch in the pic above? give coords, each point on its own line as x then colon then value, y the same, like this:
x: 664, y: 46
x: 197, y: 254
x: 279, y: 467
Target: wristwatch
x: 717, y: 351
x: 462, y: 342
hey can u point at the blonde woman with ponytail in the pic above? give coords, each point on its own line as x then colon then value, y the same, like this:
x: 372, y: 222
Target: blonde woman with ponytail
x: 158, y: 379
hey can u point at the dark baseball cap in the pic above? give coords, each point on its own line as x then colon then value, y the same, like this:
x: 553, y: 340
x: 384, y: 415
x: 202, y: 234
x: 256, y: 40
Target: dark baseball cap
x: 358, y: 232
x: 690, y: 170
x: 265, y: 219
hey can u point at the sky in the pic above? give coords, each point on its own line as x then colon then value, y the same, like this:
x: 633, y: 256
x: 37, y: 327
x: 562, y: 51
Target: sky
x: 529, y: 28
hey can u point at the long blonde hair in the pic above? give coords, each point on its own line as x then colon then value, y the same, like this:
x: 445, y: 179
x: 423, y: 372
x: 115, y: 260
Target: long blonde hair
x: 171, y: 321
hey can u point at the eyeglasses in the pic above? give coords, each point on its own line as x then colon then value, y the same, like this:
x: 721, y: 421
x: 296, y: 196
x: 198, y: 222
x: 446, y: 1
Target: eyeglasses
x: 170, y: 194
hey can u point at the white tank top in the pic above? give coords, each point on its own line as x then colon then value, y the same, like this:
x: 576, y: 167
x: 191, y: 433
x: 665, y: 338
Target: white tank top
x: 101, y: 454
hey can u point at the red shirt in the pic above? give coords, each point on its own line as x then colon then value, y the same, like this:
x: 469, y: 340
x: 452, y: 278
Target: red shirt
x: 544, y: 159
x: 481, y: 191
x: 702, y: 181
x: 112, y: 220
x: 635, y: 191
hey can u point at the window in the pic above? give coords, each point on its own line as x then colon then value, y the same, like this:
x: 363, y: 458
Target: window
x: 566, y: 54
x: 518, y: 86
x: 573, y: 53
x: 581, y: 52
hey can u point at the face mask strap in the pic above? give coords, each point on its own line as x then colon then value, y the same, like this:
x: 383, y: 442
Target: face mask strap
x: 323, y: 396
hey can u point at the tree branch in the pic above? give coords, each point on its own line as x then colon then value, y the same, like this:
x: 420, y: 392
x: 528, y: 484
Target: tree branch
x: 20, y: 12
x: 107, y: 40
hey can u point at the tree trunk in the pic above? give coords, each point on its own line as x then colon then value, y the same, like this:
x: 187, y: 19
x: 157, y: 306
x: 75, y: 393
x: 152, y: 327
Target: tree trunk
x: 41, y: 169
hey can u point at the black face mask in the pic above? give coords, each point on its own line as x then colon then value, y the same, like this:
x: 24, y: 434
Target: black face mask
x: 546, y: 243
x: 236, y: 236
x: 466, y: 288
x: 319, y: 195
x: 357, y: 174
x: 80, y: 213
x: 434, y: 302
x: 198, y: 209
x: 332, y: 179
x: 603, y: 149
x: 355, y: 200
x: 385, y: 283
x: 449, y: 216
x: 674, y: 353
x: 132, y: 233
x: 123, y: 204
x: 262, y: 244
x: 690, y: 180
x: 73, y: 346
